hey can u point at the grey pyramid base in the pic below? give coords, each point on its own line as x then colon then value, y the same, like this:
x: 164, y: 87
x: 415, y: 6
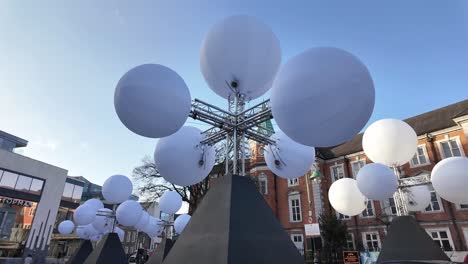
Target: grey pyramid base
x: 81, y: 253
x: 234, y: 224
x: 109, y: 250
x: 408, y: 241
x: 161, y: 251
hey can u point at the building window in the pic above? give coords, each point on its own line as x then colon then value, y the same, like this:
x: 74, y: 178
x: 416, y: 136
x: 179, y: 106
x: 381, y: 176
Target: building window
x: 442, y: 237
x: 356, y: 166
x: 298, y: 240
x: 371, y: 241
x: 295, y: 214
x: 369, y: 211
x: 8, y: 180
x: 32, y: 210
x: 342, y: 216
x: 462, y: 207
x: 293, y: 182
x: 389, y: 206
x: 261, y: 151
x: 420, y: 157
x: 349, y: 241
x: 435, y: 205
x: 263, y: 184
x: 337, y: 172
x: 450, y: 148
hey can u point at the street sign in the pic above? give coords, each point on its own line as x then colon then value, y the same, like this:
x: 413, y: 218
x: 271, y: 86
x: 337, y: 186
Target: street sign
x: 351, y: 257
x: 312, y: 230
x: 310, y: 220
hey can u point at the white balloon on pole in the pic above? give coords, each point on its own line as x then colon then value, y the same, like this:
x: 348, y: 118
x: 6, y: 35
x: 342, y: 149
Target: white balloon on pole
x: 345, y: 197
x: 95, y: 203
x: 66, y: 227
x: 143, y: 221
x: 198, y: 159
x: 450, y: 179
x: 243, y: 50
x: 117, y: 189
x: 390, y: 141
x: 287, y: 158
x: 154, y: 227
x: 120, y: 233
x: 180, y: 222
x: 152, y: 100
x: 103, y: 221
x: 417, y: 198
x: 128, y: 213
x: 330, y: 80
x: 377, y: 182
x: 84, y: 215
x: 170, y: 202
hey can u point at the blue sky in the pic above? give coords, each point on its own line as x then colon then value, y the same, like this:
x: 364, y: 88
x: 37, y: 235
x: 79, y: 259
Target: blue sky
x: 60, y: 62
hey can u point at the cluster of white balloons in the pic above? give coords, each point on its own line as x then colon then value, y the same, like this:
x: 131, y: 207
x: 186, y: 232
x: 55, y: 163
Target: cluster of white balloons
x: 171, y: 202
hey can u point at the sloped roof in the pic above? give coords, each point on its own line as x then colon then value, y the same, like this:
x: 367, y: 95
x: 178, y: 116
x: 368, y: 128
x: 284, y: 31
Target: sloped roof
x: 424, y: 123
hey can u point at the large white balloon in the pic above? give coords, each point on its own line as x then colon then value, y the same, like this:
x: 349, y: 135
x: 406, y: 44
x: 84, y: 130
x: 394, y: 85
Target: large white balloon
x: 287, y: 158
x: 417, y: 198
x: 154, y: 227
x: 66, y: 227
x: 128, y: 213
x: 117, y: 189
x: 120, y: 233
x: 95, y: 203
x: 152, y: 100
x: 103, y: 221
x: 240, y: 54
x: 376, y: 181
x: 346, y: 198
x: 170, y: 202
x: 330, y: 80
x: 80, y: 232
x: 198, y: 159
x: 180, y: 223
x: 390, y: 141
x: 143, y: 221
x: 86, y: 232
x: 84, y: 215
x: 450, y: 179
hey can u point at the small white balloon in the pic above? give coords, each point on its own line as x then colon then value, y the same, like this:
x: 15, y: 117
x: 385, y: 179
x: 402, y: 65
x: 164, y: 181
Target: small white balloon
x: 144, y: 220
x: 240, y: 54
x: 152, y: 100
x: 390, y: 141
x: 287, y: 158
x: 184, y: 145
x: 450, y: 179
x: 345, y: 197
x: 377, y: 182
x: 117, y: 189
x: 180, y: 223
x: 84, y: 215
x: 80, y: 232
x: 87, y: 232
x: 128, y: 213
x: 170, y: 202
x: 154, y: 227
x: 103, y: 221
x: 95, y: 203
x: 417, y: 198
x: 120, y: 233
x: 66, y: 227
x: 330, y: 80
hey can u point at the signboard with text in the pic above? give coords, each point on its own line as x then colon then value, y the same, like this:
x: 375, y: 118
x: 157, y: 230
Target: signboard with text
x: 312, y: 230
x: 18, y: 202
x: 351, y: 257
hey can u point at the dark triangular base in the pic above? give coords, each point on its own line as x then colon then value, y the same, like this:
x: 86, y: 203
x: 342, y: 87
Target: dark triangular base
x: 408, y: 241
x: 161, y: 251
x: 233, y: 224
x: 109, y: 250
x: 81, y: 253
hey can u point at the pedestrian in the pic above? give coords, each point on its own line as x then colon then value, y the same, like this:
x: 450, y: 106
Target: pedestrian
x: 28, y: 259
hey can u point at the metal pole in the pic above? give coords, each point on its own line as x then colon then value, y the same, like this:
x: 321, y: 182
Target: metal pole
x: 234, y: 137
x: 243, y: 155
x: 226, y: 159
x: 399, y: 198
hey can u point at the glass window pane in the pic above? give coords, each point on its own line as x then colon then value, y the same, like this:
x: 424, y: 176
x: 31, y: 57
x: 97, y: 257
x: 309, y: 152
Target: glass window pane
x: 68, y: 190
x: 77, y: 192
x: 36, y: 186
x: 455, y: 149
x: 443, y: 234
x: 434, y: 235
x: 415, y: 160
x: 423, y: 159
x: 8, y: 180
x: 23, y: 183
x: 446, y: 149
x: 446, y: 245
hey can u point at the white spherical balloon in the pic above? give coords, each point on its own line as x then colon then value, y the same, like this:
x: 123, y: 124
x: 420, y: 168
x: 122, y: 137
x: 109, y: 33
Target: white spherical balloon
x: 346, y: 198
x: 88, y: 231
x: 170, y: 202
x: 198, y: 159
x: 103, y: 221
x: 154, y: 227
x: 390, y: 141
x: 128, y: 213
x: 144, y: 220
x: 287, y: 158
x: 66, y: 227
x: 376, y: 181
x: 96, y: 237
x: 450, y: 179
x: 80, y: 232
x: 84, y: 215
x: 95, y: 203
x: 117, y: 189
x: 152, y: 100
x: 120, y: 233
x: 417, y: 198
x: 180, y: 223
x: 331, y: 80
x: 243, y: 50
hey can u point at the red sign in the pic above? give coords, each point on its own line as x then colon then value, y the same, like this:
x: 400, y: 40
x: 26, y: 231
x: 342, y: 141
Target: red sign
x: 351, y: 257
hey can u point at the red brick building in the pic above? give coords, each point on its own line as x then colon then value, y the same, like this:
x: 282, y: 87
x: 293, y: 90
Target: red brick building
x: 441, y: 133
